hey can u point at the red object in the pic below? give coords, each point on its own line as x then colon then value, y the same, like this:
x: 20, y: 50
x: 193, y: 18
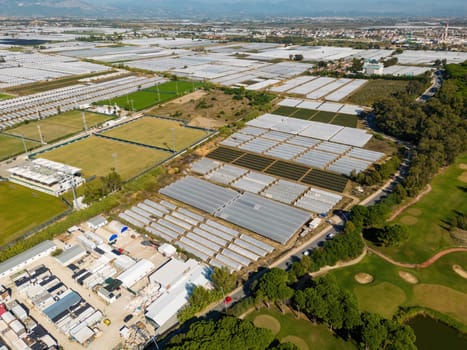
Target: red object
x: 120, y: 250
x: 228, y: 299
x: 2, y: 309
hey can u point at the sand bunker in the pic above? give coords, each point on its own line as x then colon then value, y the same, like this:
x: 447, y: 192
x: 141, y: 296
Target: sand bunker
x: 363, y: 278
x: 463, y: 166
x: 459, y: 270
x: 408, y: 277
x: 414, y: 211
x: 409, y: 220
x: 463, y: 177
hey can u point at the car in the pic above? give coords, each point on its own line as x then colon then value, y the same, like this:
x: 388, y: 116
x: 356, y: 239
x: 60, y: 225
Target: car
x: 127, y: 318
x: 306, y: 252
x: 330, y: 236
x: 106, y: 322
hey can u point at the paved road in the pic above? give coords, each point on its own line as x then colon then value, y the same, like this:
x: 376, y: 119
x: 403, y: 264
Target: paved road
x: 434, y: 87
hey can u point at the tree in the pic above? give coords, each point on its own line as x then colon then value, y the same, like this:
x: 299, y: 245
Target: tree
x: 228, y: 333
x: 285, y: 346
x: 373, y: 332
x: 272, y: 286
x: 223, y: 279
x: 392, y: 235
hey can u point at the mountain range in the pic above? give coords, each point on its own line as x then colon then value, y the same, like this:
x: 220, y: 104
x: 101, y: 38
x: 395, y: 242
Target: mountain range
x: 233, y: 9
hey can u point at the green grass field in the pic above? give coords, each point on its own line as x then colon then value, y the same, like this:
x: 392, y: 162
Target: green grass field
x: 4, y: 96
x: 427, y: 231
x: 22, y: 209
x: 323, y: 117
x: 374, y: 90
x: 97, y: 156
x: 302, y: 332
x: 149, y: 97
x: 158, y: 132
x: 11, y: 146
x: 345, y: 120
x: 438, y: 288
x: 59, y: 126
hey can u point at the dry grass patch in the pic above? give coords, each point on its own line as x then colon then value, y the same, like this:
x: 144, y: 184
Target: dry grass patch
x: 442, y: 299
x: 268, y: 322
x: 409, y: 220
x: 460, y: 271
x: 364, y: 278
x: 408, y: 277
x: 463, y: 166
x: 299, y: 342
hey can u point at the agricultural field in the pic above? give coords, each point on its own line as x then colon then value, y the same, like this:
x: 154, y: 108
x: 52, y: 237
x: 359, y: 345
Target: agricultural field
x: 287, y: 170
x: 149, y: 97
x: 326, y: 180
x: 23, y: 209
x: 59, y: 126
x: 254, y: 162
x: 318, y: 116
x: 426, y: 220
x: 305, y: 334
x: 207, y: 109
x: 158, y: 132
x: 4, y: 96
x: 375, y: 90
x: 11, y: 146
x: 307, y: 175
x: 98, y: 155
x: 437, y: 287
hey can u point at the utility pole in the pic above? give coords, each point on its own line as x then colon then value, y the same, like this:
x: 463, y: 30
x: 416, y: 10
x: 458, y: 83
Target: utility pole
x: 173, y: 138
x: 24, y: 144
x: 75, y: 200
x: 38, y: 115
x: 84, y: 123
x: 40, y: 134
x: 176, y: 86
x: 115, y: 157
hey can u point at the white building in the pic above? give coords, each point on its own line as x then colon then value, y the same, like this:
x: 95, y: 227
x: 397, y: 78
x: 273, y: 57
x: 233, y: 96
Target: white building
x: 177, y: 278
x: 136, y: 273
x: 47, y: 176
x: 373, y: 67
x: 20, y: 261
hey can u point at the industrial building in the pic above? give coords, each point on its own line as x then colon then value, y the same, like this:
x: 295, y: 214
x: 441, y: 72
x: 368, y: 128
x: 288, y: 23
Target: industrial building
x: 20, y: 261
x: 176, y: 278
x: 47, y: 176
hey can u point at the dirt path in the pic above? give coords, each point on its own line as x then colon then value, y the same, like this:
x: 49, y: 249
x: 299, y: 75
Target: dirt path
x: 339, y: 264
x: 423, y: 265
x: 412, y: 202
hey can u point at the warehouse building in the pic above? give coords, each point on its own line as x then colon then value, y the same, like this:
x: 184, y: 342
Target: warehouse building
x: 177, y: 278
x: 20, y: 261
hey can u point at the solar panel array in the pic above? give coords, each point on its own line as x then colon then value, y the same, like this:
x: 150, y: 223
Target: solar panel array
x: 207, y: 239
